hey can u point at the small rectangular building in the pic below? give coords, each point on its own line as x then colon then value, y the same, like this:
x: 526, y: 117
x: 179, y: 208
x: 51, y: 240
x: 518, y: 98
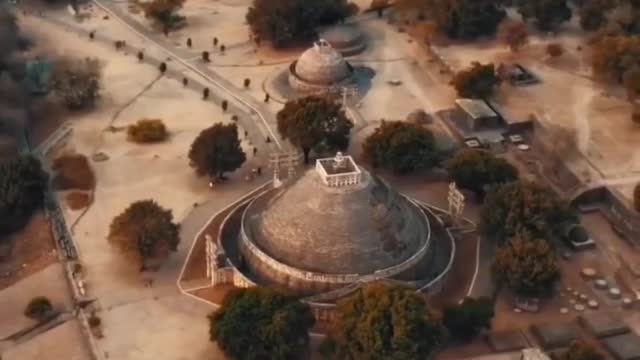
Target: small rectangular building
x: 478, y: 115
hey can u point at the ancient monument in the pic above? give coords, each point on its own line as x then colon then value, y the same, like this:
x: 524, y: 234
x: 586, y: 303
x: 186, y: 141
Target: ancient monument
x: 326, y: 231
x: 320, y: 68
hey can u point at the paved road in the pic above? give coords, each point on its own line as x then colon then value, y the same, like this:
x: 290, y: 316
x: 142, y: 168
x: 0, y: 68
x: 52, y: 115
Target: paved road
x: 255, y: 108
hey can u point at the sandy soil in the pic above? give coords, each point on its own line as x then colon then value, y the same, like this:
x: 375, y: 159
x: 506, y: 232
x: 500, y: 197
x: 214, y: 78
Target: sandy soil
x: 49, y: 282
x: 63, y: 342
x: 27, y: 252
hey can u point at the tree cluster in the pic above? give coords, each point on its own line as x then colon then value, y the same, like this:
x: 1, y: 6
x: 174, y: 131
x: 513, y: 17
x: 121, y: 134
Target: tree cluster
x: 466, y: 19
x: 217, y: 150
x: 613, y: 17
x: 522, y: 206
x: 147, y: 131
x: 314, y: 123
x: 76, y: 82
x: 402, y: 147
x: 261, y: 323
x: 616, y: 58
x: 381, y: 321
x: 546, y: 14
x: 291, y: 22
x: 23, y: 184
x: 164, y: 12
x: 478, y: 81
x: 477, y: 170
x: 465, y: 320
x: 145, y: 232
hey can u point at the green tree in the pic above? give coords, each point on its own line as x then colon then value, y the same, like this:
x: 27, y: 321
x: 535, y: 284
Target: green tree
x: 475, y: 170
x: 519, y: 206
x: 22, y: 187
x: 477, y: 81
x: 401, y: 146
x: 636, y: 197
x: 261, y: 323
x: 164, y: 12
x: 381, y: 322
x: 465, y: 320
x: 547, y: 14
x: 217, y: 150
x: 580, y: 350
x: 314, y: 123
x: 466, y: 19
x: 528, y: 266
x: 77, y: 82
x: 145, y: 232
x: 290, y: 22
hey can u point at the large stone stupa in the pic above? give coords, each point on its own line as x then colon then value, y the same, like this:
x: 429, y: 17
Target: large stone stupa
x: 320, y: 68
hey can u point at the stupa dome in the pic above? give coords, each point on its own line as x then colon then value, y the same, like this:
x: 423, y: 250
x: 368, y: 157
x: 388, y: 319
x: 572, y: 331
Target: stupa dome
x: 318, y: 67
x: 332, y: 226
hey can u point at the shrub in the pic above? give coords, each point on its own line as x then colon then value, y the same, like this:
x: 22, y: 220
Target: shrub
x: 147, y: 131
x: 38, y: 308
x: 73, y: 172
x: 94, y: 321
x: 555, y: 49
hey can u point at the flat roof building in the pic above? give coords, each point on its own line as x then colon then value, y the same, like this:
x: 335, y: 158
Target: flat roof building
x: 478, y: 115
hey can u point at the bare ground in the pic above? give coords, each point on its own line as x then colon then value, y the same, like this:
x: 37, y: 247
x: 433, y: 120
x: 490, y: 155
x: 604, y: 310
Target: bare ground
x: 27, y: 251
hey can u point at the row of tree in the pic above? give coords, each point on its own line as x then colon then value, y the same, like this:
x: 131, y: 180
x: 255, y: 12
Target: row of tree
x: 378, y: 321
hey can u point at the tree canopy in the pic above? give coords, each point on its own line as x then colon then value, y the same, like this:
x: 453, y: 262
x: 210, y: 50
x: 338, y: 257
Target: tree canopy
x: 164, y: 11
x: 22, y: 187
x: 217, y: 150
x: 382, y: 321
x: 401, y: 146
x: 145, y: 232
x: 261, y: 323
x: 547, y: 14
x: 314, y: 123
x: 77, y: 82
x: 465, y: 320
x: 519, y: 206
x: 291, y: 22
x: 580, y: 350
x: 475, y: 170
x: 466, y: 19
x: 528, y: 266
x: 478, y: 81
x: 613, y: 56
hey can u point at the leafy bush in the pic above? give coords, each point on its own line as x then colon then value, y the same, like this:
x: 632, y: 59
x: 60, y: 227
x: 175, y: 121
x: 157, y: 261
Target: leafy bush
x: 555, y: 49
x: 38, y: 308
x: 147, y: 131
